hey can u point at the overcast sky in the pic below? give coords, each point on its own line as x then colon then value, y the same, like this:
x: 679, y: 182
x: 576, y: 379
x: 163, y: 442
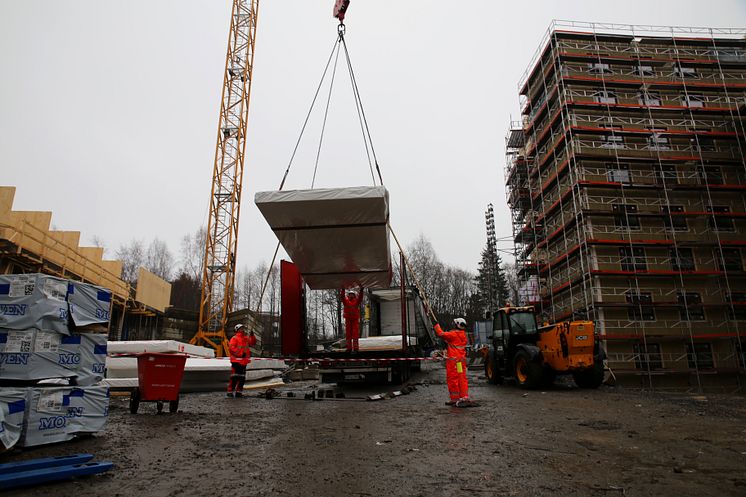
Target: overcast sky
x: 108, y: 109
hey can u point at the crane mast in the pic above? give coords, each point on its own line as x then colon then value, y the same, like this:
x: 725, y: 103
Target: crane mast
x: 219, y: 263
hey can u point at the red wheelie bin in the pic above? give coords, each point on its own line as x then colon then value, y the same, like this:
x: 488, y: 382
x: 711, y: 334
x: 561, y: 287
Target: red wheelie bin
x: 159, y: 378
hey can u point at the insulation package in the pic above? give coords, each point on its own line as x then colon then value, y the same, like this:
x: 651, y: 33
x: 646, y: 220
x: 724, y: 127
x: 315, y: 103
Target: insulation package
x: 33, y: 301
x: 58, y: 414
x: 89, y: 304
x: 31, y: 355
x: 12, y: 412
x: 337, y: 237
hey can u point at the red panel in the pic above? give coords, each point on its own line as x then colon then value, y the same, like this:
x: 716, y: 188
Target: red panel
x: 291, y: 308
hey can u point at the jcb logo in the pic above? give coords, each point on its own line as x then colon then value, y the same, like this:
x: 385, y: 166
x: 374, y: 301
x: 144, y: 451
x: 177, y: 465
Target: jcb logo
x: 581, y: 337
x: 69, y: 359
x: 52, y: 422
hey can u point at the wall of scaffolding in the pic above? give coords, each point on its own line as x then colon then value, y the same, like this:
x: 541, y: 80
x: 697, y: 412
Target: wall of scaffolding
x: 626, y: 179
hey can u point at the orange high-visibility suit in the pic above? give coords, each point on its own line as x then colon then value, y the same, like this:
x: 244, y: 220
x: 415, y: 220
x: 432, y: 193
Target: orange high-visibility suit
x: 458, y: 385
x: 352, y: 318
x: 240, y: 351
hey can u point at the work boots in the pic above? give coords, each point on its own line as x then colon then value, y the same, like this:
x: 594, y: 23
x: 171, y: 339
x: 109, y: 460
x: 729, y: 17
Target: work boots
x: 466, y: 403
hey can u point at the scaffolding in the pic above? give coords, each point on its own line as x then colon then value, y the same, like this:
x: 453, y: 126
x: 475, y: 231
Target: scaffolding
x: 625, y: 179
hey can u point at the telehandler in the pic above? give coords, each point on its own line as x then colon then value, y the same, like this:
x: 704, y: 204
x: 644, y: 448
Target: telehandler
x: 534, y: 355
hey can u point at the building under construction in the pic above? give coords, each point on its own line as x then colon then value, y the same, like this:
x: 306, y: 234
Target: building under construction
x: 626, y: 179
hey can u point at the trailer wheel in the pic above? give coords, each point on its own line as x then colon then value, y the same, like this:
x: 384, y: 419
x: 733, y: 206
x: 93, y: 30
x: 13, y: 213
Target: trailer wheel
x: 135, y: 400
x: 159, y: 407
x: 528, y: 373
x: 173, y: 405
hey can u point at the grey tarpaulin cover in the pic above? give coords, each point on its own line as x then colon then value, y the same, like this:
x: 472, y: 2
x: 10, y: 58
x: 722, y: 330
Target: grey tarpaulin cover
x: 338, y: 237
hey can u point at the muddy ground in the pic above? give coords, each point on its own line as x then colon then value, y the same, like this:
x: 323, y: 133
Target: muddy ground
x: 562, y: 442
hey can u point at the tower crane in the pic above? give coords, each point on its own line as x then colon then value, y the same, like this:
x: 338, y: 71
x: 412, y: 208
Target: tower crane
x: 221, y: 240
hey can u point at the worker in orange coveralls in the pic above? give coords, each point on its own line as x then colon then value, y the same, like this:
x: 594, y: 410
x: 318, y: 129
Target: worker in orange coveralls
x: 458, y: 385
x: 239, y: 348
x: 351, y: 301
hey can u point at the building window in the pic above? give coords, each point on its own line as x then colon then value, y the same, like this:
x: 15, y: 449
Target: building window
x: 702, y: 144
x: 625, y: 216
x: 673, y: 221
x: 647, y: 357
x: 650, y: 99
x: 691, y: 100
x: 618, y: 173
x: 666, y: 174
x: 612, y: 141
x: 684, y: 71
x: 599, y: 68
x: 632, y: 259
x: 641, y: 70
x: 719, y: 221
x: 641, y: 306
x: 700, y: 356
x: 690, y: 306
x: 604, y: 97
x: 658, y: 142
x: 737, y: 308
x: 682, y: 259
x: 731, y: 260
x: 710, y: 175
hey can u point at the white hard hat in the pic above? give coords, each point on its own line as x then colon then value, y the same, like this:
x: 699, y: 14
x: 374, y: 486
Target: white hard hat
x: 238, y: 327
x: 460, y: 323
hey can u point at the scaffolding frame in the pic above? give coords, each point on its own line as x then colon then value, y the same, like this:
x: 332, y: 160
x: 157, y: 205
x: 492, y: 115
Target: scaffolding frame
x: 621, y: 137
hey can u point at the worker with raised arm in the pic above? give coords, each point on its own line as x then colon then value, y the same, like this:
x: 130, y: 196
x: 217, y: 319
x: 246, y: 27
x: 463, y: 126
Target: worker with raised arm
x: 351, y: 300
x: 458, y: 384
x: 240, y: 352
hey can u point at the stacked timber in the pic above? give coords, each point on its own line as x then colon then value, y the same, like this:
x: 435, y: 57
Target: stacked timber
x: 53, y: 335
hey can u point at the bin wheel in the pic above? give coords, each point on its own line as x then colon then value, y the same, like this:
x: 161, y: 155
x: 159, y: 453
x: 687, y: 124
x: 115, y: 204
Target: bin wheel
x: 159, y: 406
x: 173, y: 405
x: 134, y: 400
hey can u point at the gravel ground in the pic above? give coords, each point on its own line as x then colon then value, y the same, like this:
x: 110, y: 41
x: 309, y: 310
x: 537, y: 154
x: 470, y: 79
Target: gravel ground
x: 563, y: 441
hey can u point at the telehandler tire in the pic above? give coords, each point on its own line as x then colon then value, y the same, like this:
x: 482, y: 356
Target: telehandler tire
x: 528, y: 373
x: 491, y: 373
x: 591, y: 377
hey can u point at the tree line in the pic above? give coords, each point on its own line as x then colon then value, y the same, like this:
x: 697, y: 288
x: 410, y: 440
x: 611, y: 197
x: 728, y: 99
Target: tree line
x: 452, y: 291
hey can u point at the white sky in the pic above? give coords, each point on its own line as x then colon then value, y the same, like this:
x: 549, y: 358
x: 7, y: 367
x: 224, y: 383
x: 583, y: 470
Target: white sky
x: 108, y: 110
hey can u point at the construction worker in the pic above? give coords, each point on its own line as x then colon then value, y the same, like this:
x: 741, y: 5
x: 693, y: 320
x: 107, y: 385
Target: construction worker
x: 240, y: 351
x: 351, y: 300
x: 458, y: 385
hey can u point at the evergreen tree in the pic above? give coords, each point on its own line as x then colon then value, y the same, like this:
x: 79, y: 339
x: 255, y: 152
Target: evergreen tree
x: 492, y: 287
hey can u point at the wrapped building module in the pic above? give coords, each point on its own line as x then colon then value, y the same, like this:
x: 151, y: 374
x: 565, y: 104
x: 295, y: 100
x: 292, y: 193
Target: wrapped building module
x: 338, y: 237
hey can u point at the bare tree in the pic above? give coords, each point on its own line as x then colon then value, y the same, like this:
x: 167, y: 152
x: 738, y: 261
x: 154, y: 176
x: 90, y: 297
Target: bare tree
x: 193, y: 253
x: 132, y: 256
x: 158, y: 259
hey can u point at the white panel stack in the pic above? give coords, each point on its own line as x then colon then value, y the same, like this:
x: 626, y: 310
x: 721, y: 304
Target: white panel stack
x: 338, y: 237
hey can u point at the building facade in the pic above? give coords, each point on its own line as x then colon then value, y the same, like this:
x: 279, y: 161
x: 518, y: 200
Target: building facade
x: 626, y: 181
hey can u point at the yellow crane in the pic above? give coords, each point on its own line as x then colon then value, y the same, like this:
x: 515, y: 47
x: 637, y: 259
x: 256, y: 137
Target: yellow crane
x: 219, y: 263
